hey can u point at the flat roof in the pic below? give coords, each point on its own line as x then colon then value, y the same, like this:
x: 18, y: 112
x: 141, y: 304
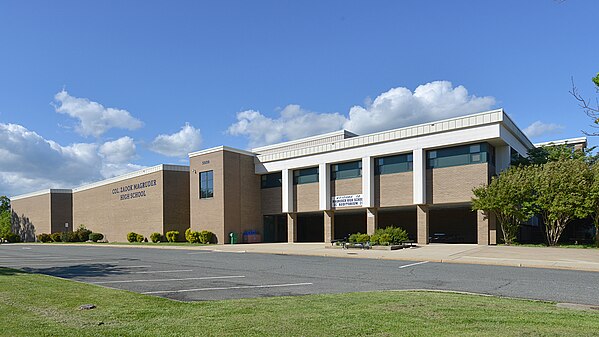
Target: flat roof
x: 578, y: 140
x: 220, y: 148
x: 38, y: 193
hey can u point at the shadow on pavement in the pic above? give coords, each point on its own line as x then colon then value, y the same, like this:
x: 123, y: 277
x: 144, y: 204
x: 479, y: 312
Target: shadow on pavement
x: 83, y: 270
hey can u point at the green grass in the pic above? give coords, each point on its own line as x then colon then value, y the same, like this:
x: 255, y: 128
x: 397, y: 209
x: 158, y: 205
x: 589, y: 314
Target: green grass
x: 561, y: 245
x: 129, y: 243
x: 38, y: 305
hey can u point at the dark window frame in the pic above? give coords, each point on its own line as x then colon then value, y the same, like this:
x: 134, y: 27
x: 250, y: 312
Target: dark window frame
x: 306, y: 176
x: 206, y: 184
x: 271, y: 180
x: 348, y: 170
x: 397, y: 163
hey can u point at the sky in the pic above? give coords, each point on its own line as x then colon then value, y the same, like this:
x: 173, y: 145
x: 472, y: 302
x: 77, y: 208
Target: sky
x: 90, y: 90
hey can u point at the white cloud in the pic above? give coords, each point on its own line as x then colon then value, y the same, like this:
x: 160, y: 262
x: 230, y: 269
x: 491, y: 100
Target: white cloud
x: 118, y: 151
x: 94, y: 118
x: 30, y: 162
x: 539, y: 128
x: 293, y: 123
x: 178, y: 144
x: 395, y: 108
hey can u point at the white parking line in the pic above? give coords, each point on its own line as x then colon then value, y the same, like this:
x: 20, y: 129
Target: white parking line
x: 171, y: 279
x: 121, y: 267
x: 412, y: 264
x: 161, y: 271
x: 228, y: 288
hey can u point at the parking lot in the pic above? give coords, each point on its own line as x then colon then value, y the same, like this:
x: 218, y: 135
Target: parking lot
x: 192, y: 275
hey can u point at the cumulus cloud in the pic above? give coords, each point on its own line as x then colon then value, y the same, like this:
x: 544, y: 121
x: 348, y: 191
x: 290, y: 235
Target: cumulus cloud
x: 539, y: 128
x: 118, y: 151
x: 293, y: 123
x: 94, y: 118
x: 30, y: 162
x: 394, y: 108
x: 178, y: 144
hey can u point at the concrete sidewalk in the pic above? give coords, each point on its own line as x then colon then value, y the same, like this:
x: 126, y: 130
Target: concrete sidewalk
x: 515, y: 256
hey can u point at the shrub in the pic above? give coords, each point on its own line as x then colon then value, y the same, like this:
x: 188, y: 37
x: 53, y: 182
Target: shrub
x: 206, y: 236
x: 172, y: 236
x: 82, y: 233
x: 12, y: 238
x: 44, y: 237
x: 155, y: 237
x: 385, y: 239
x: 69, y: 237
x: 140, y: 238
x: 359, y: 238
x: 389, y: 235
x: 196, y: 237
x: 95, y: 237
x: 132, y: 236
x: 56, y: 237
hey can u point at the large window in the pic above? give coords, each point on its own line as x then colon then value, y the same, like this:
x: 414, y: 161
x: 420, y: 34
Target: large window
x: 206, y: 185
x: 346, y: 170
x: 394, y: 164
x: 270, y: 180
x: 460, y: 155
x: 305, y: 176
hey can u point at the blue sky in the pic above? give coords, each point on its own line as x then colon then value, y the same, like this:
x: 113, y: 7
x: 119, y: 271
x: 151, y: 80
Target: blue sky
x: 94, y: 89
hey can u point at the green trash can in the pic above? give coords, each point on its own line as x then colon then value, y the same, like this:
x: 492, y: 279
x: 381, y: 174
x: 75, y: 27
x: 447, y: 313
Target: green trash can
x: 233, y: 238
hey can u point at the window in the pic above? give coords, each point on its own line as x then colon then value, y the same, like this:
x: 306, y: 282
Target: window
x: 206, y: 185
x: 305, y: 176
x: 394, y: 164
x: 270, y: 180
x: 461, y: 155
x: 346, y: 170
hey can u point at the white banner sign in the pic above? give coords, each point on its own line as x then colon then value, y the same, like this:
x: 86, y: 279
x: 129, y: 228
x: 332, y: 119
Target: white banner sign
x: 347, y: 200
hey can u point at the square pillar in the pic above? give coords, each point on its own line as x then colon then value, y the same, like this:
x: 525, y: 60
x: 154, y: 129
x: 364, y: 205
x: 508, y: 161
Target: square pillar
x: 291, y: 227
x: 329, y: 226
x: 324, y: 187
x: 368, y: 182
x: 372, y: 217
x: 419, y: 176
x: 422, y: 226
x: 486, y: 229
x: 503, y: 157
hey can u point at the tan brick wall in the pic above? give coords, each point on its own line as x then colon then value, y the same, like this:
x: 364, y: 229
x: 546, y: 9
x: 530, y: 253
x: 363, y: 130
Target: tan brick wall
x: 101, y: 210
x: 346, y: 187
x: 454, y: 184
x: 393, y: 189
x: 208, y: 214
x: 272, y: 200
x: 61, y: 211
x: 33, y: 211
x: 176, y: 201
x: 306, y: 197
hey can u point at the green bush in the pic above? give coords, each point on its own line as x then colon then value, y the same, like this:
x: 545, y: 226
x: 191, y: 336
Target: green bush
x: 140, y: 238
x: 132, y: 236
x: 44, y: 237
x: 359, y: 238
x: 155, y: 237
x: 206, y: 236
x: 82, y: 233
x: 69, y: 237
x: 56, y: 237
x: 172, y: 236
x: 95, y: 237
x: 385, y: 239
x: 389, y: 236
x: 12, y: 237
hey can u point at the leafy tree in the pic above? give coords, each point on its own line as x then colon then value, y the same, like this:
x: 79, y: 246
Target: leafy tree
x: 509, y: 198
x: 593, y: 200
x: 4, y: 204
x: 589, y: 108
x: 544, y: 154
x: 561, y: 194
x: 5, y: 216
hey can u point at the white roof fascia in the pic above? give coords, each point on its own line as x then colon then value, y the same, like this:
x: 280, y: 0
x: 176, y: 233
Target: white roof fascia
x: 220, y: 148
x: 578, y: 140
x: 41, y: 192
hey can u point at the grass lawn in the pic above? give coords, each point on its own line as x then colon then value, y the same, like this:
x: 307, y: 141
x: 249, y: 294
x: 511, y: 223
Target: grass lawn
x: 562, y: 245
x: 128, y: 243
x: 38, y: 305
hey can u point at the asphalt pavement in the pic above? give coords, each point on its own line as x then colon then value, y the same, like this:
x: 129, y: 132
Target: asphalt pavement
x: 195, y: 275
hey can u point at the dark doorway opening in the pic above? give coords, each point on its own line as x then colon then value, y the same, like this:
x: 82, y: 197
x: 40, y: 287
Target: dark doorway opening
x: 275, y: 228
x: 404, y: 218
x: 347, y: 223
x: 452, y: 225
x: 310, y: 227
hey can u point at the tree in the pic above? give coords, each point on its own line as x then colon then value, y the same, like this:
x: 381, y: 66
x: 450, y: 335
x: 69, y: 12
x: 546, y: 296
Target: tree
x: 4, y: 204
x: 589, y: 108
x: 593, y: 200
x: 543, y: 154
x: 561, y: 194
x: 5, y: 216
x: 509, y: 198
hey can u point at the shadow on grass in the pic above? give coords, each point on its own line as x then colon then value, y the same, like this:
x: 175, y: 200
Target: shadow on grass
x: 10, y: 271
x: 82, y: 270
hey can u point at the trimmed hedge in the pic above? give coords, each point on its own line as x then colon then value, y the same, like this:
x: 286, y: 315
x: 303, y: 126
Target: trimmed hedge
x: 95, y: 237
x: 69, y: 237
x: 172, y: 236
x: 44, y: 237
x: 82, y: 233
x: 132, y: 237
x: 140, y: 238
x: 389, y: 236
x: 56, y: 237
x: 198, y: 237
x: 155, y: 237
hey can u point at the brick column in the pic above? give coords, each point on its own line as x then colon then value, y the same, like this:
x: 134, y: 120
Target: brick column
x: 372, y: 218
x: 422, y: 219
x: 329, y: 226
x: 486, y: 229
x: 291, y: 227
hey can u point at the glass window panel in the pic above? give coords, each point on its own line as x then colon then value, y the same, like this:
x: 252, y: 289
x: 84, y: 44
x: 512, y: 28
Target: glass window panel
x: 305, y: 176
x: 346, y: 170
x: 271, y: 180
x: 206, y: 184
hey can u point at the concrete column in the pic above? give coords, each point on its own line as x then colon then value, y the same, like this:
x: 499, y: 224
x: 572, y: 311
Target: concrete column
x: 486, y: 229
x: 368, y: 182
x: 372, y: 217
x: 291, y: 227
x: 287, y: 188
x: 503, y: 158
x: 329, y: 226
x: 419, y: 174
x: 324, y: 186
x: 422, y: 219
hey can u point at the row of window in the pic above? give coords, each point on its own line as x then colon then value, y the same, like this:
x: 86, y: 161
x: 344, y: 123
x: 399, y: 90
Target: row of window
x: 447, y: 157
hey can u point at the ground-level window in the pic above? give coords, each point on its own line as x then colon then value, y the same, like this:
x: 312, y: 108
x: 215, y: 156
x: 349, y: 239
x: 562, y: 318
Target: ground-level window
x: 305, y: 176
x: 206, y: 185
x: 270, y: 180
x: 394, y: 164
x: 460, y: 155
x: 348, y: 170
